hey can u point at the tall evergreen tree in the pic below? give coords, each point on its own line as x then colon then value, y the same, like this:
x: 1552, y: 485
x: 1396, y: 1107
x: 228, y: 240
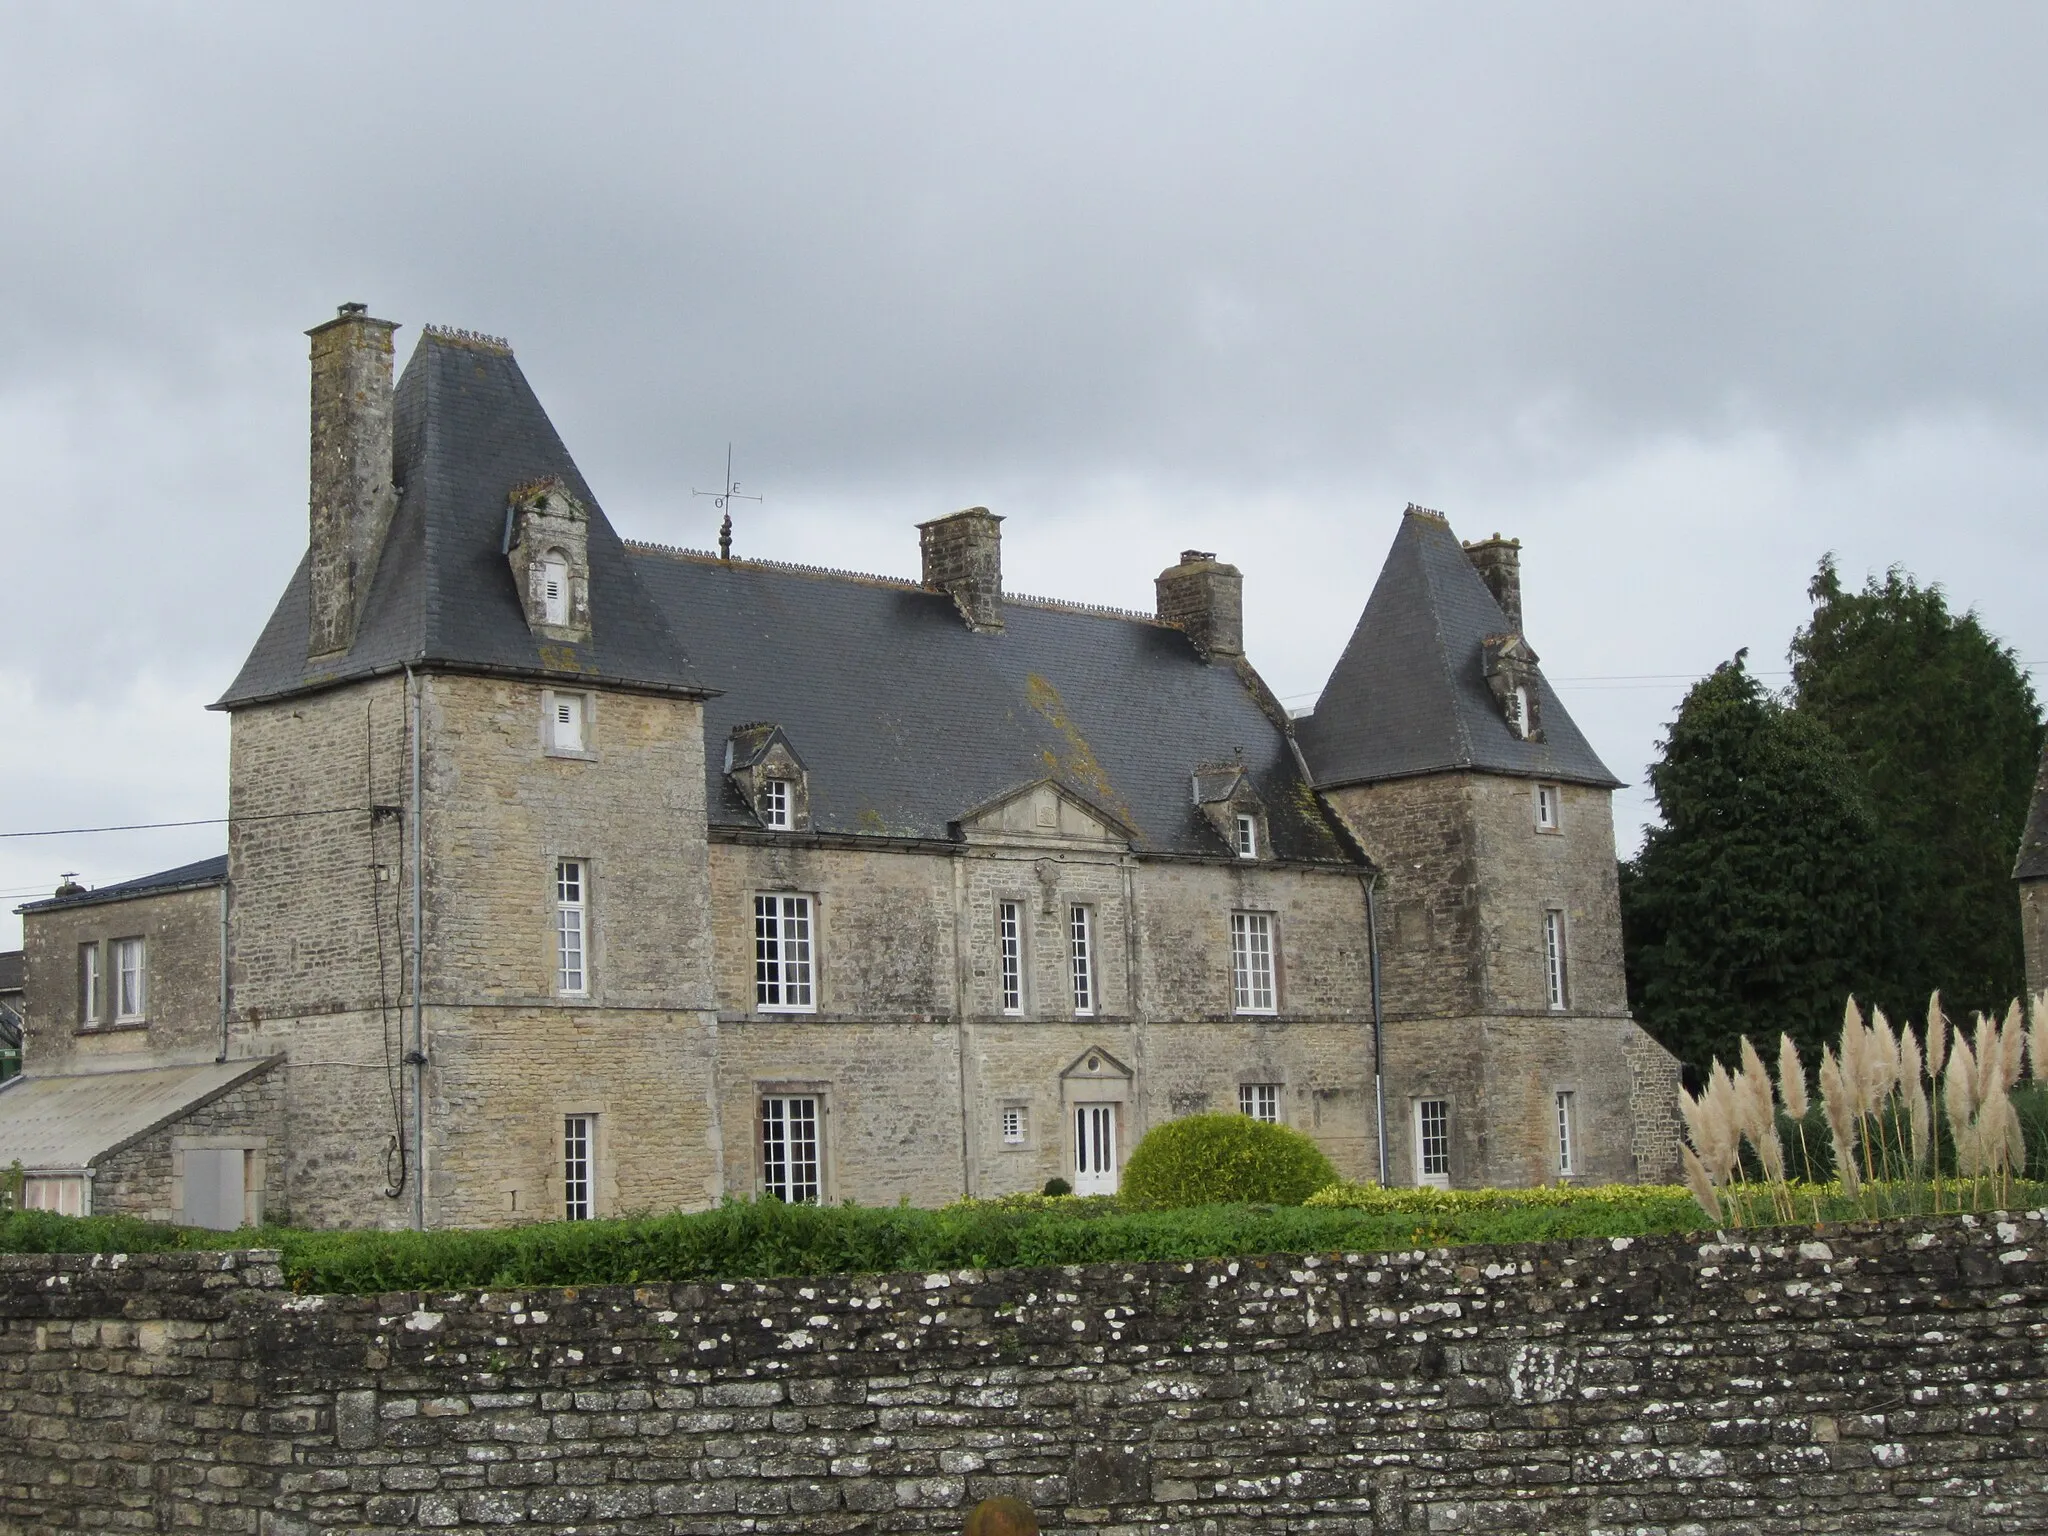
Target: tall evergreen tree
x: 1758, y: 905
x: 1944, y: 732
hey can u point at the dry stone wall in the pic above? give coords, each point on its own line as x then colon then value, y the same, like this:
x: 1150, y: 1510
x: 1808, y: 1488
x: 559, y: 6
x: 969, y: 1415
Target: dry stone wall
x: 1852, y: 1379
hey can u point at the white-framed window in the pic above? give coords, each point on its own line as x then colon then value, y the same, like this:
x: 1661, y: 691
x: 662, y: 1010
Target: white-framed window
x: 782, y: 955
x: 572, y: 927
x: 1556, y: 976
x: 131, y: 981
x: 1016, y: 1125
x: 1518, y: 716
x: 790, y: 1148
x: 1548, y: 807
x: 1081, y: 955
x: 1010, y: 953
x: 1433, y: 1142
x: 1259, y: 1100
x: 579, y: 1166
x: 1251, y: 962
x: 568, y: 714
x: 92, y: 996
x: 1247, y: 836
x: 775, y: 804
x: 1567, y: 1153
x: 554, y: 590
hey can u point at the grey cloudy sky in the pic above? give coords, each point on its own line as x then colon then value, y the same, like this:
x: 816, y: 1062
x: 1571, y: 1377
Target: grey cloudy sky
x: 1682, y: 296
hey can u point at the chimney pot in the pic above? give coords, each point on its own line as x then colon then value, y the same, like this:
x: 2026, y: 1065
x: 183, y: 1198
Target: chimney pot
x: 1499, y: 564
x: 963, y: 557
x: 350, y: 495
x: 1204, y: 597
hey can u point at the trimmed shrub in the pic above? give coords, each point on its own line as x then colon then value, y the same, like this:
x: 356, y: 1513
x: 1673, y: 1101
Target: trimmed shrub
x: 1220, y: 1160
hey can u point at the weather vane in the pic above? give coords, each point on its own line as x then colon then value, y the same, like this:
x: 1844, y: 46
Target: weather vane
x: 722, y: 500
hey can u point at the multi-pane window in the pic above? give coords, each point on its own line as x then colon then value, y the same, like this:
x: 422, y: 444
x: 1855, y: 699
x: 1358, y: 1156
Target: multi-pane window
x: 1010, y: 953
x: 1546, y: 807
x: 775, y: 804
x: 1259, y: 1100
x: 1433, y: 1142
x: 131, y: 981
x: 1081, y: 952
x: 565, y: 722
x: 554, y: 587
x: 1251, y: 962
x: 91, y: 988
x: 782, y: 954
x: 789, y: 1148
x: 1555, y: 979
x: 1567, y: 1160
x: 1013, y: 1125
x: 579, y: 1153
x: 572, y: 927
x: 1247, y: 836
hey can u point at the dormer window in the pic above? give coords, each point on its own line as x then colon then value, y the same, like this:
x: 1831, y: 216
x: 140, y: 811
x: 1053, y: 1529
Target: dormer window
x: 762, y: 765
x: 1247, y: 835
x: 554, y: 578
x: 775, y: 804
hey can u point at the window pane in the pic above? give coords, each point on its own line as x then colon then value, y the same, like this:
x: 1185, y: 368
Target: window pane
x: 1564, y: 1133
x: 782, y: 952
x: 571, y: 971
x: 1010, y: 944
x: 576, y: 1170
x: 1433, y: 1138
x: 1251, y: 961
x: 789, y: 1148
x: 129, y: 981
x: 1261, y: 1101
x: 1083, y: 960
x: 1554, y: 960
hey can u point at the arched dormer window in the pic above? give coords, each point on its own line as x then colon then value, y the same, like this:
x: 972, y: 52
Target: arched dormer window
x: 554, y: 578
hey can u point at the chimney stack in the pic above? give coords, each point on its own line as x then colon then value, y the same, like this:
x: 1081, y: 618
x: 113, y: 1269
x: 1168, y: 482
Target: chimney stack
x: 963, y: 557
x: 351, y: 496
x: 1205, y: 598
x: 1499, y: 564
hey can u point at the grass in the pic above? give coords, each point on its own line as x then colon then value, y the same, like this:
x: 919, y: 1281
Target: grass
x: 748, y: 1240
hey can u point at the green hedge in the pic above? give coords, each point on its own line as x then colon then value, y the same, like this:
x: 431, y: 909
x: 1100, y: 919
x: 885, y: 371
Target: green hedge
x: 745, y: 1240
x: 1211, y: 1159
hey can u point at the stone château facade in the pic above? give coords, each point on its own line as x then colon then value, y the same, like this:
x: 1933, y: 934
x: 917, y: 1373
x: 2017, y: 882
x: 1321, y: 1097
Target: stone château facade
x: 573, y: 876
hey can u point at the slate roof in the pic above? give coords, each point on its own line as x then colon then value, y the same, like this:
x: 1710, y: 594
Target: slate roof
x: 2032, y: 863
x: 1409, y: 694
x: 73, y: 1120
x: 11, y: 971
x: 467, y: 430
x: 905, y: 719
x: 202, y: 872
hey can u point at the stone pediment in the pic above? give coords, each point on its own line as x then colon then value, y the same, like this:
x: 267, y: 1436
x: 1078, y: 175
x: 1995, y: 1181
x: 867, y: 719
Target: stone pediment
x: 1045, y: 811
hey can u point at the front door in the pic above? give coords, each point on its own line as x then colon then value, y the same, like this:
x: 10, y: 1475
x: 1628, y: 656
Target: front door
x: 1094, y: 1149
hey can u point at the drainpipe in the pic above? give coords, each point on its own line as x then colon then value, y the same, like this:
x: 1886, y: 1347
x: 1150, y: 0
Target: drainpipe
x: 416, y: 690
x: 1379, y: 1090
x: 223, y: 1056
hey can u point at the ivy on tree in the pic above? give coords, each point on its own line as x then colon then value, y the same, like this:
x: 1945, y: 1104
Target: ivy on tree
x: 1944, y: 732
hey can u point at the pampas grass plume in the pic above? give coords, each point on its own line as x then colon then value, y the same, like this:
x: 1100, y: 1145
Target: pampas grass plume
x: 2011, y: 1046
x: 1937, y: 1036
x: 1701, y: 1186
x: 1792, y: 1078
x: 1834, y: 1101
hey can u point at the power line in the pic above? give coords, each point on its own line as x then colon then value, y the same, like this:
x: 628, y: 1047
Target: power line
x: 204, y: 821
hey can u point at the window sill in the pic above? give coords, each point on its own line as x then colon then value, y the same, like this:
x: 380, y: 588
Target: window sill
x: 783, y: 1013
x: 564, y: 752
x: 1255, y: 1013
x: 122, y: 1027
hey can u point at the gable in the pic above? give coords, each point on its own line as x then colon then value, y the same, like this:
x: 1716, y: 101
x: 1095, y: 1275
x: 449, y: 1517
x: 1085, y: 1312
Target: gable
x: 1041, y: 812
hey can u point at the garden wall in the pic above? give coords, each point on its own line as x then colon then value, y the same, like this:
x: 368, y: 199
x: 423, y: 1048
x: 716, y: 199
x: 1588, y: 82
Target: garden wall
x: 1856, y: 1379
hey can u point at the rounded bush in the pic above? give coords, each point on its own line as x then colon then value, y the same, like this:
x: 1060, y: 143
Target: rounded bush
x: 1223, y: 1159
x: 1057, y: 1187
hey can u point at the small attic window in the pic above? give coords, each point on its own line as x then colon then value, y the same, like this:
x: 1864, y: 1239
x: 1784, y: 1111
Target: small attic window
x: 567, y: 714
x: 1247, y: 835
x: 775, y: 804
x: 554, y: 575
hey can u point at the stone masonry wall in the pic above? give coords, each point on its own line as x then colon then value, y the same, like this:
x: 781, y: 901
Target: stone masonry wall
x: 180, y: 931
x: 1861, y: 1379
x: 2034, y: 933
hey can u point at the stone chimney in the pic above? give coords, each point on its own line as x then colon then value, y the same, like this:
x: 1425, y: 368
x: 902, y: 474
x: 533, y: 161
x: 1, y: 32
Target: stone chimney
x: 351, y: 495
x: 1499, y: 564
x: 1205, y: 598
x: 963, y: 557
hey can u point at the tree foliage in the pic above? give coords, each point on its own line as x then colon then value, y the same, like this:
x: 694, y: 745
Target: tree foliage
x: 1944, y: 732
x: 1759, y: 903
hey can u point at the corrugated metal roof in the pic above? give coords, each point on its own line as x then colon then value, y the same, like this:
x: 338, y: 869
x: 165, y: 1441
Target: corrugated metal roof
x: 1409, y: 694
x: 74, y: 1120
